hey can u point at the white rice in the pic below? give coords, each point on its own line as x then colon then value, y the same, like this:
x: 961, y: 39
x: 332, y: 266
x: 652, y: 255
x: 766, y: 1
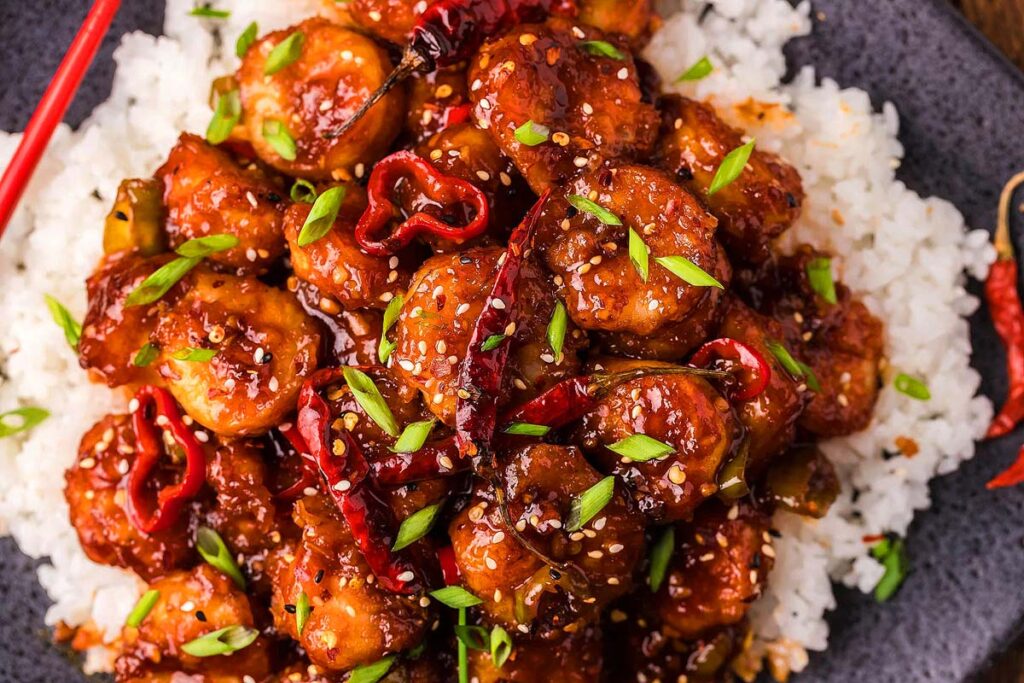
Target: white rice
x: 905, y: 255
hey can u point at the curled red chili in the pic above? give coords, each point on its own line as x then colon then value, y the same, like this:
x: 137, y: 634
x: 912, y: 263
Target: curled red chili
x: 310, y: 472
x: 149, y: 516
x: 404, y: 172
x: 748, y: 368
x: 344, y: 468
x: 480, y: 374
x: 1004, y: 305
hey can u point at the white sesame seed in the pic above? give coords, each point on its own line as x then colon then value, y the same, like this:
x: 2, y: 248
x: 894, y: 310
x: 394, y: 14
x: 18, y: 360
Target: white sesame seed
x: 273, y: 384
x: 462, y: 308
x: 498, y: 304
x: 615, y: 548
x: 491, y: 564
x: 87, y: 463
x: 202, y: 437
x: 600, y: 522
x: 133, y: 405
x: 405, y: 364
x: 406, y: 576
x: 579, y: 162
x: 446, y: 462
x: 188, y: 606
x: 309, y: 491
x: 498, y: 537
x: 587, y: 109
x: 623, y: 73
x: 343, y: 485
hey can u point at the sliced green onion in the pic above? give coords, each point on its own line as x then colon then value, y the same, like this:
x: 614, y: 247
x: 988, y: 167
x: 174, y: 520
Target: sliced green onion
x: 463, y: 651
x: 641, y: 448
x: 688, y: 271
x: 142, y: 608
x: 702, y: 68
x: 156, y: 285
x: 285, y: 53
x: 661, y: 553
x: 532, y: 134
x: 246, y: 39
x: 302, y: 611
x: 208, y: 12
x: 556, y: 329
x: 216, y: 554
x: 785, y: 358
x: 912, y: 387
x: 146, y: 355
x: 893, y: 557
x: 819, y: 274
x: 455, y: 597
x: 201, y: 247
x: 638, y: 254
x: 21, y: 420
x: 64, y: 319
x: 391, y: 313
x: 193, y: 355
x: 322, y: 216
x: 368, y: 397
x: 589, y: 503
x: 223, y: 641
x: 602, y: 48
x: 810, y: 378
x: 371, y: 673
x: 492, y: 342
x: 416, y: 526
x: 277, y: 135
x: 303, y: 191
x: 587, y: 206
x: 414, y: 436
x: 527, y: 429
x: 501, y: 646
x: 225, y: 117
x: 731, y: 167
x: 473, y: 637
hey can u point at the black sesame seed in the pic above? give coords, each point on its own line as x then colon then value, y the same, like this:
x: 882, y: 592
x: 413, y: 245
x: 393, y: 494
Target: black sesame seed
x: 755, y: 563
x: 465, y: 260
x: 121, y: 215
x: 555, y: 574
x: 290, y: 609
x: 267, y: 357
x: 571, y: 212
x: 274, y: 197
x: 200, y: 615
x: 775, y: 533
x: 319, y: 576
x: 684, y: 174
x: 791, y: 200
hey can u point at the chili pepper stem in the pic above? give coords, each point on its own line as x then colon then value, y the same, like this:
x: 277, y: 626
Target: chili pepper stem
x: 1001, y: 240
x: 601, y: 383
x: 412, y: 61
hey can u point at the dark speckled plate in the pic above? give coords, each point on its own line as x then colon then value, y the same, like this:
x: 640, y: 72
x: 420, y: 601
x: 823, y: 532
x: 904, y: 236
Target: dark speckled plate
x: 962, y: 109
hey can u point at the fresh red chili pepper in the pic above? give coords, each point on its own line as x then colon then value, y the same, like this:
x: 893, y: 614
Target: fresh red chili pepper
x: 310, y: 472
x: 1004, y: 305
x: 149, y: 448
x: 571, y: 399
x: 451, y: 31
x: 429, y: 462
x: 480, y: 374
x: 749, y: 369
x: 452, y: 116
x: 344, y: 469
x: 405, y: 171
x: 449, y: 568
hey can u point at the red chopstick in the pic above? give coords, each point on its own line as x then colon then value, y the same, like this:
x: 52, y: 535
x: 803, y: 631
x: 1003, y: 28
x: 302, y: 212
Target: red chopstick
x: 54, y: 104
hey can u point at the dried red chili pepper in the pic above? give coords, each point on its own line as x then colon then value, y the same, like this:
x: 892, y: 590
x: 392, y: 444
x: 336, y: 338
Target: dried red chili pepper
x: 149, y: 448
x: 571, y: 399
x: 1004, y: 305
x: 429, y: 462
x: 451, y: 31
x: 749, y: 369
x: 344, y: 469
x: 481, y: 372
x: 404, y: 171
x: 449, y: 568
x: 310, y: 472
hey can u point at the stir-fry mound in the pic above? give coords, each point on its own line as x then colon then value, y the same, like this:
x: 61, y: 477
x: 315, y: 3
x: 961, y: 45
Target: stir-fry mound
x: 502, y: 382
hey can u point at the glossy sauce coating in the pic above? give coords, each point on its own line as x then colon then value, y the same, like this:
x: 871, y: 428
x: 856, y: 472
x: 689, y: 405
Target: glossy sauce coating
x: 436, y: 323
x: 683, y: 412
x: 601, y: 287
x: 207, y: 193
x: 191, y: 604
x: 96, y: 499
x: 516, y: 586
x: 336, y: 71
x: 265, y: 346
x: 353, y: 621
x: 720, y: 565
x: 758, y: 206
x: 565, y: 657
x: 335, y: 264
x: 594, y: 101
